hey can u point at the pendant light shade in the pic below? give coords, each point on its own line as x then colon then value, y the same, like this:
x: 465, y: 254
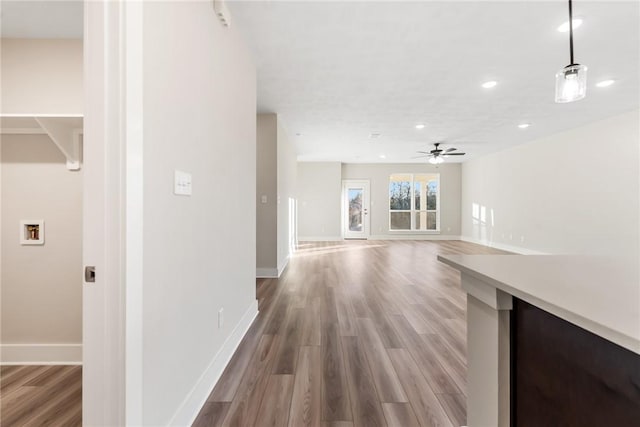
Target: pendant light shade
x: 436, y: 160
x: 571, y: 81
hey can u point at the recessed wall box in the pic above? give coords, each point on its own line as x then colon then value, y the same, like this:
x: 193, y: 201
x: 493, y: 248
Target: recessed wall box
x: 32, y: 232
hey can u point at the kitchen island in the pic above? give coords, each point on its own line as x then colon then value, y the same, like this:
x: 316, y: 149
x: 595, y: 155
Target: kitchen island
x: 552, y: 340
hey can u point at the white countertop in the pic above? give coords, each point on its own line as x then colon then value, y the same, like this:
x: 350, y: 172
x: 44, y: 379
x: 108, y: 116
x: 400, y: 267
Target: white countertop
x: 599, y: 294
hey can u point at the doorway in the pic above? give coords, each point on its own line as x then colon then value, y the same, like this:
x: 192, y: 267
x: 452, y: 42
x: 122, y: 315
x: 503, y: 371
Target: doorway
x: 355, y: 209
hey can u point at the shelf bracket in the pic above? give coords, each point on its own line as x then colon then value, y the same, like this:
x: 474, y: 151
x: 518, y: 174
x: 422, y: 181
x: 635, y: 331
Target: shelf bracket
x: 66, y: 137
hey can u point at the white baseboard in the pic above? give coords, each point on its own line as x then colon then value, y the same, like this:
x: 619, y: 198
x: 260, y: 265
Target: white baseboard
x: 502, y: 246
x: 319, y: 239
x: 414, y: 237
x: 283, y: 265
x: 272, y: 273
x: 266, y: 273
x: 383, y: 237
x: 195, y: 400
x: 41, y: 354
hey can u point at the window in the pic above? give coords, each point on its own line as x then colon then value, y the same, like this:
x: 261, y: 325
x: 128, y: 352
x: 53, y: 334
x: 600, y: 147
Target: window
x: 414, y: 202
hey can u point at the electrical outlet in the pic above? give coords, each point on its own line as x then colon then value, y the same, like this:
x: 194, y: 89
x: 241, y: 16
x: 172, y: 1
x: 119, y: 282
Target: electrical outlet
x: 220, y: 318
x: 182, y: 183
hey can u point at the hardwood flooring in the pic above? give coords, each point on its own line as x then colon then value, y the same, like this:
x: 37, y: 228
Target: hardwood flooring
x: 40, y: 396
x: 354, y: 333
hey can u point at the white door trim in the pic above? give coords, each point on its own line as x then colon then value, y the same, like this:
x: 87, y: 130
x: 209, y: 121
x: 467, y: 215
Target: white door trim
x: 366, y: 229
x: 112, y: 148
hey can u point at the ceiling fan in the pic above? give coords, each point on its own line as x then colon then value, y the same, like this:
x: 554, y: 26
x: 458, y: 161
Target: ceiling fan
x: 437, y: 155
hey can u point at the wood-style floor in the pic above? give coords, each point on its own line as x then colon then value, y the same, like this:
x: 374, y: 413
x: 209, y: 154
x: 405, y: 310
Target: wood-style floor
x: 356, y: 333
x: 40, y: 396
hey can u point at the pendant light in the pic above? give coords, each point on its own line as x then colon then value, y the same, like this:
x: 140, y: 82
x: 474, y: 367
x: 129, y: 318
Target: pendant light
x: 571, y: 81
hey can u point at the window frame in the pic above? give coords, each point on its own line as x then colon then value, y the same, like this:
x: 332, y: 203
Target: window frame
x: 412, y: 212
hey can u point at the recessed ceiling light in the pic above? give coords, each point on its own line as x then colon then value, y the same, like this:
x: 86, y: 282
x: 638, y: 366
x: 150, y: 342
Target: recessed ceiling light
x: 489, y: 84
x: 524, y: 125
x: 374, y: 135
x: 605, y: 83
x: 420, y: 126
x: 382, y: 156
x: 298, y: 134
x: 565, y: 27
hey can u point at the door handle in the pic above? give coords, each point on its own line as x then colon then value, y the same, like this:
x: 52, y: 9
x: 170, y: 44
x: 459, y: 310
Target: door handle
x: 90, y: 274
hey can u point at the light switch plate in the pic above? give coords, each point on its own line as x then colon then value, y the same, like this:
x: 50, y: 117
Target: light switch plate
x: 182, y: 183
x: 263, y: 199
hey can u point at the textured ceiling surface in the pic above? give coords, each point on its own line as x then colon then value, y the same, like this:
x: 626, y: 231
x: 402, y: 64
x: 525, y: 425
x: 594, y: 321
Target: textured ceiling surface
x: 42, y: 19
x: 335, y: 72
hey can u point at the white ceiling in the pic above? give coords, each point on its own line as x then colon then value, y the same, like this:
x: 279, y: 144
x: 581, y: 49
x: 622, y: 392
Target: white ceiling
x: 336, y: 72
x: 41, y: 19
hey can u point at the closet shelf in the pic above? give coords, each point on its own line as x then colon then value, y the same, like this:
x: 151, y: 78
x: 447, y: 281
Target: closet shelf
x: 64, y: 130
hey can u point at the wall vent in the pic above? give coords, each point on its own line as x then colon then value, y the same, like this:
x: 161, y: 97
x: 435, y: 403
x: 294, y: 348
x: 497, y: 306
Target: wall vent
x: 220, y: 7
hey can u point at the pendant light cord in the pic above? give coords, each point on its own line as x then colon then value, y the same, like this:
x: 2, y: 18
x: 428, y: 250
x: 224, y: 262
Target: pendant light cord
x: 571, y: 32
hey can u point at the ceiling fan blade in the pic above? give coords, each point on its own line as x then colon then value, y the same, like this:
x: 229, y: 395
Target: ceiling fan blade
x: 455, y: 154
x: 423, y: 152
x: 448, y: 150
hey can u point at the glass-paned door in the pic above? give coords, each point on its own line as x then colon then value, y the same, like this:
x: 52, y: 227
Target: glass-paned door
x: 355, y: 209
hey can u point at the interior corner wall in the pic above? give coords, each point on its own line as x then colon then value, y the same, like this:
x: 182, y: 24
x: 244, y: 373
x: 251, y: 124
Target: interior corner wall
x: 286, y: 198
x: 378, y: 174
x: 199, y: 251
x: 267, y: 194
x: 319, y: 191
x: 41, y: 284
x: 41, y: 76
x: 574, y: 192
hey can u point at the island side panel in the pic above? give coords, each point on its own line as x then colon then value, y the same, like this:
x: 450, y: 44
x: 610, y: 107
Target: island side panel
x: 488, y: 364
x: 565, y: 375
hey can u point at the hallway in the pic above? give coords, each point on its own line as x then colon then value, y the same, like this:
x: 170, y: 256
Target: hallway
x: 361, y: 333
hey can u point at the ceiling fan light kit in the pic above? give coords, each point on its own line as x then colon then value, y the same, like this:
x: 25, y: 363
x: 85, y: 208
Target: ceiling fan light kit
x: 571, y: 81
x: 437, y: 155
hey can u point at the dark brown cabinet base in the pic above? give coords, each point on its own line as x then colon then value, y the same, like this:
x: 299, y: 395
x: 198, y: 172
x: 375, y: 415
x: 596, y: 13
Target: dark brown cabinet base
x: 563, y: 375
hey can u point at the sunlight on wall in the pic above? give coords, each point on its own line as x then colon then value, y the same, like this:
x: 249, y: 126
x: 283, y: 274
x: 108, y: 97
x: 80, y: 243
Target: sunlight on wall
x: 479, y: 222
x: 293, y: 229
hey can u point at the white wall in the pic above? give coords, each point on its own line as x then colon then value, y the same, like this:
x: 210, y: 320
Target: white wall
x: 276, y: 179
x: 266, y: 185
x: 319, y: 191
x: 286, y: 177
x: 574, y: 192
x: 378, y: 175
x: 41, y: 285
x: 41, y: 76
x: 199, y: 114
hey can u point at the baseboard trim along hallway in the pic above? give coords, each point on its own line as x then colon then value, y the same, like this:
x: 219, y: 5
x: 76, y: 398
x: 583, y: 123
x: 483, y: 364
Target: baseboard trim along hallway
x: 41, y: 354
x: 266, y: 273
x: 188, y: 411
x: 272, y: 273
